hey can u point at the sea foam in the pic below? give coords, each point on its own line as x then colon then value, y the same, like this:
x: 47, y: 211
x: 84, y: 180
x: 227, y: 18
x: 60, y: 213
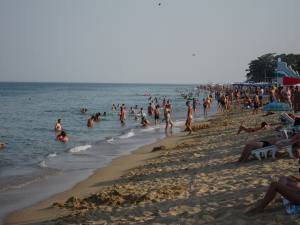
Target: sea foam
x: 80, y: 148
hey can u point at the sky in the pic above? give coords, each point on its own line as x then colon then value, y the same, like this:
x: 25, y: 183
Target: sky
x: 142, y: 41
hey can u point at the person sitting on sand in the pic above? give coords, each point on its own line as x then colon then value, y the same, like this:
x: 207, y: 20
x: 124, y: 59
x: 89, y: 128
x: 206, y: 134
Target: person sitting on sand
x: 62, y: 136
x: 2, y: 145
x: 265, y: 143
x: 251, y: 130
x: 90, y: 122
x: 287, y: 186
x: 58, y: 126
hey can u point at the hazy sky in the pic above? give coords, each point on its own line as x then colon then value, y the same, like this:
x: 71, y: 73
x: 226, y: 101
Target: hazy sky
x: 179, y: 41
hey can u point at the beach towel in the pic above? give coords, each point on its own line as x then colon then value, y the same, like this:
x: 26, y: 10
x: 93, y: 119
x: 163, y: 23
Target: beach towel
x: 276, y: 106
x: 290, y: 207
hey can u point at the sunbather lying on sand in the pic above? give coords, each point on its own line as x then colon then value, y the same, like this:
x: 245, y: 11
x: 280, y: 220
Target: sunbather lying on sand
x: 278, y: 142
x: 288, y: 187
x: 250, y: 130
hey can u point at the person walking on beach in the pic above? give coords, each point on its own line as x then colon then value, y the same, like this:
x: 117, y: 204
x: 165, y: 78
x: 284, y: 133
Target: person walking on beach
x: 189, y: 118
x: 58, y: 126
x: 256, y: 103
x: 273, y: 95
x: 296, y: 99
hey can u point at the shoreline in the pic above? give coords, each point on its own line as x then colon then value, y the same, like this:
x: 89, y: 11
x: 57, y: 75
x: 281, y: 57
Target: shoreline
x: 107, y: 174
x: 194, y: 179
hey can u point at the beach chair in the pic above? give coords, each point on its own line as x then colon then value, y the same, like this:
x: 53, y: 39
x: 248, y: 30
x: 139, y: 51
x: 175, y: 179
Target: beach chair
x: 285, y: 118
x: 263, y: 152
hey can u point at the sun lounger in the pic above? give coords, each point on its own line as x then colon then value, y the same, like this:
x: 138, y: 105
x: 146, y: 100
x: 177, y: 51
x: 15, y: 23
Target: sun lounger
x: 264, y: 152
x: 285, y: 118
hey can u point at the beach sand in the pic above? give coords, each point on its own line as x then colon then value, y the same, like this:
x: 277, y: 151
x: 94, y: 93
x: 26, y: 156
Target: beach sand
x: 187, y: 179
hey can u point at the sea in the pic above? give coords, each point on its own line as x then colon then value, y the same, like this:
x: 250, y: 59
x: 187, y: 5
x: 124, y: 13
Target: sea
x: 35, y: 166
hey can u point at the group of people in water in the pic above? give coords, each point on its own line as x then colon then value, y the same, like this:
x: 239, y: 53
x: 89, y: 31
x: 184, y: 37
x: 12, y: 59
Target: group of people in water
x: 153, y: 111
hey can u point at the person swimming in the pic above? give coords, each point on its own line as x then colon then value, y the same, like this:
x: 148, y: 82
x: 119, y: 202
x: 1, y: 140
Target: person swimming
x: 58, y: 126
x: 2, y: 145
x: 90, y: 122
x: 83, y: 110
x: 62, y: 137
x: 97, y: 117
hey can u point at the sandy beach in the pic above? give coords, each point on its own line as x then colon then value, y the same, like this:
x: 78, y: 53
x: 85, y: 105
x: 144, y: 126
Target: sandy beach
x: 183, y: 179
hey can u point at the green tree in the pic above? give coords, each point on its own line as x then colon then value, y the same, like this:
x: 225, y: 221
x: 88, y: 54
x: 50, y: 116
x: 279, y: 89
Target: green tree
x: 263, y: 68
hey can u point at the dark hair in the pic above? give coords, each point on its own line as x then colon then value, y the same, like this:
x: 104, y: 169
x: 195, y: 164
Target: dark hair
x: 59, y: 120
x: 297, y: 121
x: 295, y: 147
x: 263, y: 124
x: 63, y: 133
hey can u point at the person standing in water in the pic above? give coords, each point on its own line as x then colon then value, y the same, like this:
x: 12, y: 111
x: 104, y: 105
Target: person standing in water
x: 156, y: 114
x: 205, y: 107
x: 90, y: 122
x: 189, y: 118
x: 122, y: 114
x: 167, y: 114
x: 194, y: 104
x: 58, y: 126
x: 62, y: 137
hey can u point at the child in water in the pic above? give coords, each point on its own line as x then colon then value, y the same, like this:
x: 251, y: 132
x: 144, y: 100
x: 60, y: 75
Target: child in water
x: 62, y: 137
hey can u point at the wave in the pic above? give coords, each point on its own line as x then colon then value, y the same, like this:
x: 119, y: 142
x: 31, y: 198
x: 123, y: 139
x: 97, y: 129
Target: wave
x: 149, y: 129
x: 110, y: 140
x: 127, y: 135
x: 52, y: 155
x: 80, y: 148
x: 179, y: 123
x: 43, y: 164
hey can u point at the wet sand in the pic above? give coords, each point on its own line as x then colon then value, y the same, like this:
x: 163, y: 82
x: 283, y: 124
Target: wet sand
x: 183, y: 179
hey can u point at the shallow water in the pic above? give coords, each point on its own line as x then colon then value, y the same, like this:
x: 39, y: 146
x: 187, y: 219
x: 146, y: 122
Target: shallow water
x: 34, y: 162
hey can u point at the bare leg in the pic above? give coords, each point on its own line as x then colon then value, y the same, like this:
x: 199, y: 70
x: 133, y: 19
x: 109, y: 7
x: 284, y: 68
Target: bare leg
x: 291, y: 193
x: 247, y: 150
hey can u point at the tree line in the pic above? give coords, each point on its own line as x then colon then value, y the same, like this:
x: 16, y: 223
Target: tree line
x: 263, y: 68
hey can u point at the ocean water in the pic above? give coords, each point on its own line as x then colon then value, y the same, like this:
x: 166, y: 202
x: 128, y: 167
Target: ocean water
x: 34, y: 166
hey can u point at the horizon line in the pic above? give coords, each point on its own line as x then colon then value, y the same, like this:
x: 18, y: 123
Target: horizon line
x: 79, y: 82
